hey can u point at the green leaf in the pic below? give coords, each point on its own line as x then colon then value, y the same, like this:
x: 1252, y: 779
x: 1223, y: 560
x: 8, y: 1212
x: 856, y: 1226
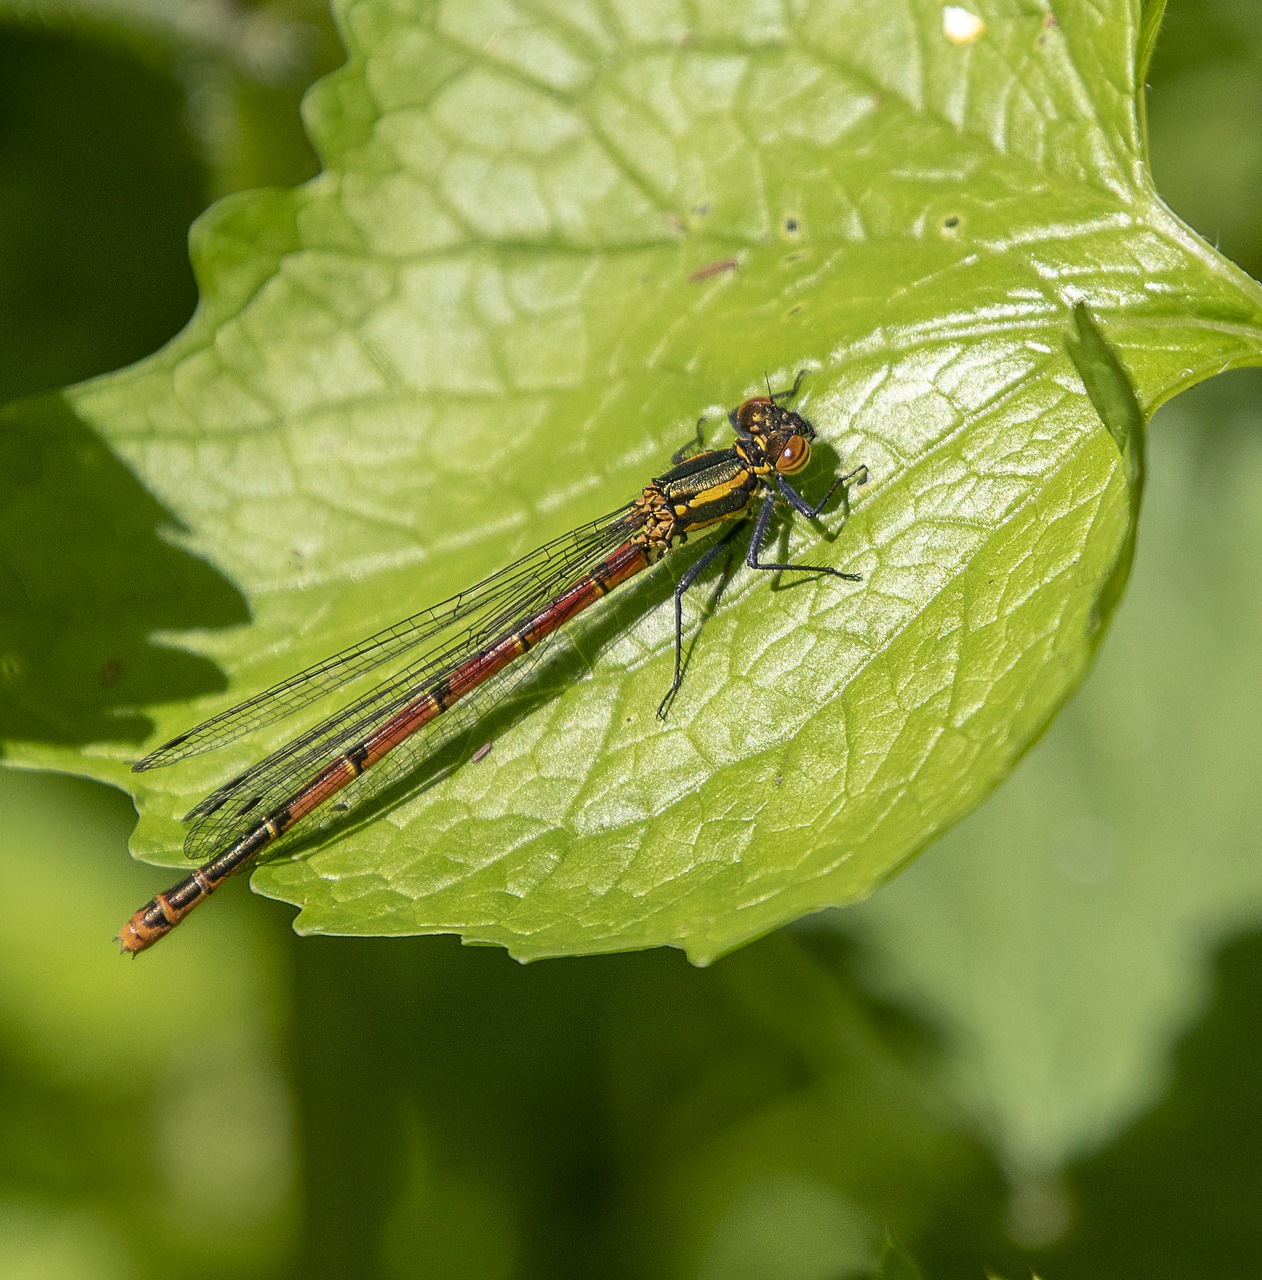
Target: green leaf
x: 489, y: 319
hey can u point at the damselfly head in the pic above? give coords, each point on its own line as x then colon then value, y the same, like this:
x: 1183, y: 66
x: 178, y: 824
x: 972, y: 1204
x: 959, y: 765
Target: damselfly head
x: 783, y: 436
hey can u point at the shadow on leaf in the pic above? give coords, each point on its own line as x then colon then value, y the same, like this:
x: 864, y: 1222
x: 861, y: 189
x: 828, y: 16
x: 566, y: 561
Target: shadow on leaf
x: 87, y: 575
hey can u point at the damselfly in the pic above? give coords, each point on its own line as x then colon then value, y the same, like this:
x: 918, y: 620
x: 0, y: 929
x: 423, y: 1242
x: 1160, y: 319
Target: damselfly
x: 459, y: 647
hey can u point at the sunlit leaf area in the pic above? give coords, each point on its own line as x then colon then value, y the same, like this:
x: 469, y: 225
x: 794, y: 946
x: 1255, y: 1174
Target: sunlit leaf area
x: 923, y: 938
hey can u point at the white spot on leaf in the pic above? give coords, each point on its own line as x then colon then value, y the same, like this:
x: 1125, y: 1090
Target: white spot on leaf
x: 960, y: 26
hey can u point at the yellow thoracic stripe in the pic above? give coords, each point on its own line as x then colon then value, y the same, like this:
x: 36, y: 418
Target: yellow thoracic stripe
x: 715, y: 493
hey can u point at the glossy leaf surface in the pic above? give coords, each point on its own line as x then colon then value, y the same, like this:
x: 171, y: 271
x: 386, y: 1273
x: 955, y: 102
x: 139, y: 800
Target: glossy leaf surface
x: 495, y: 315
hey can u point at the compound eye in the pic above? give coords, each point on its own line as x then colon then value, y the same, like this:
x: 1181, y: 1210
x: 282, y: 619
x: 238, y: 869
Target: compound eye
x: 794, y: 456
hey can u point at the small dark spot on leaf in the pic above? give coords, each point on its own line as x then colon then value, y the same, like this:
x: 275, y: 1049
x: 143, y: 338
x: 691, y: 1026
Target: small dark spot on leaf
x: 791, y: 226
x: 951, y: 221
x: 795, y: 309
x: 110, y: 673
x: 700, y: 210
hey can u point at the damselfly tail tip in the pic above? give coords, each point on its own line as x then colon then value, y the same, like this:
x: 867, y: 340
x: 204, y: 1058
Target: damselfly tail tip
x: 129, y: 943
x: 138, y: 934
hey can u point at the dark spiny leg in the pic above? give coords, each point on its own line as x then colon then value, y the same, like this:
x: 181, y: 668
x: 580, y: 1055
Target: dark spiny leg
x: 691, y: 574
x: 799, y: 504
x: 791, y: 394
x: 695, y: 445
x: 760, y: 535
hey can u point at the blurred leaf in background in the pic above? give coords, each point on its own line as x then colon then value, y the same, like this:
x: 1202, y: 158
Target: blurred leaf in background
x: 1208, y: 73
x: 99, y: 189
x: 134, y: 1107
x: 986, y: 1063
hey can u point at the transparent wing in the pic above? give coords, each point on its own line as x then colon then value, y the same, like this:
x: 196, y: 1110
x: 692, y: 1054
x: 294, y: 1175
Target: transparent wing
x: 299, y: 691
x: 494, y: 608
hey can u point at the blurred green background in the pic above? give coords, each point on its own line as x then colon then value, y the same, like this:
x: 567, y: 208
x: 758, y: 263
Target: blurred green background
x: 1037, y: 1049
